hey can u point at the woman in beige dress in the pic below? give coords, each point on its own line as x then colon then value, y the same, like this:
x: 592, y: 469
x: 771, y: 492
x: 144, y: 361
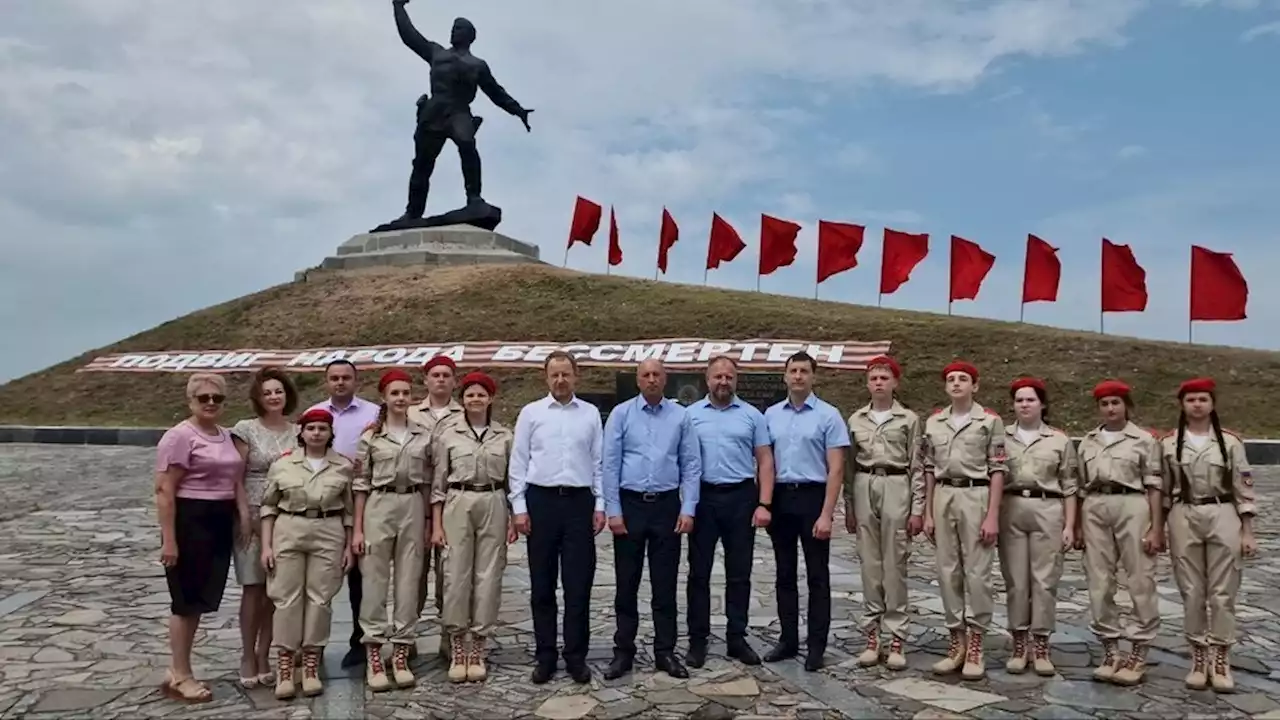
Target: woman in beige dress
x: 260, y: 440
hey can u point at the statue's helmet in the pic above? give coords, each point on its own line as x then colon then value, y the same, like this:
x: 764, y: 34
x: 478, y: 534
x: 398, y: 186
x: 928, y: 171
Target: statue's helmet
x: 464, y: 33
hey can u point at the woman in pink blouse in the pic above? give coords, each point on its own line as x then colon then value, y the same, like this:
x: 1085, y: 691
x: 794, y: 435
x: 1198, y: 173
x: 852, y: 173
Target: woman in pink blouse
x: 200, y: 498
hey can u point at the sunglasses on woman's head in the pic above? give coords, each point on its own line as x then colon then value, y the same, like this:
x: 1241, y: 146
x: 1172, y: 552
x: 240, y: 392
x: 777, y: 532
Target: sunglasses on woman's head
x: 206, y: 399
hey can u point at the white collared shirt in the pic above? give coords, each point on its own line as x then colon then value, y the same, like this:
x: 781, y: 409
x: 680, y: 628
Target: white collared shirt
x: 556, y: 445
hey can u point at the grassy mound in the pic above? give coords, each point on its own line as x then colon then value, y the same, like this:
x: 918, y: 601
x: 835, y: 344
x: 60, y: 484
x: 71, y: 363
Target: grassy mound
x: 539, y: 303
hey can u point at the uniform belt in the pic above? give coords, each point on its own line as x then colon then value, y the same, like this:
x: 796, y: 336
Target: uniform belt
x: 648, y: 496
x: 881, y: 471
x: 467, y: 487
x: 1114, y: 489
x: 801, y: 485
x: 963, y: 482
x: 1223, y: 499
x: 397, y: 489
x: 313, y: 514
x: 727, y: 486
x: 1041, y: 494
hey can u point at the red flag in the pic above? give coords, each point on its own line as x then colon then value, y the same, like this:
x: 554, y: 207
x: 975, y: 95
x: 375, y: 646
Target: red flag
x: 1042, y: 273
x: 1218, y: 289
x: 615, y: 248
x: 586, y: 221
x: 902, y: 252
x: 667, y: 237
x: 725, y: 242
x: 777, y: 243
x: 1124, y: 282
x: 969, y: 266
x: 838, y: 246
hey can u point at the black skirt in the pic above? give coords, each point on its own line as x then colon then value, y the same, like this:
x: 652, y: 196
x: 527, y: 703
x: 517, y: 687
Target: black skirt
x: 205, y: 533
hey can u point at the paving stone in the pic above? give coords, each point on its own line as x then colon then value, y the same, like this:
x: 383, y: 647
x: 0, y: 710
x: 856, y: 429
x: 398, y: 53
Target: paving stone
x: 1251, y: 703
x: 1090, y: 696
x: 72, y: 700
x: 80, y: 617
x: 676, y: 696
x: 620, y: 710
x: 742, y: 686
x: 936, y: 714
x: 566, y: 707
x: 947, y: 697
x: 53, y: 655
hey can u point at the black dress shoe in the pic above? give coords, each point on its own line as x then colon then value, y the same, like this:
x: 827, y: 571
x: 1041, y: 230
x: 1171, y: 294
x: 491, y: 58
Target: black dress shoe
x: 579, y: 673
x: 621, y: 665
x: 670, y: 664
x: 781, y: 651
x: 813, y: 660
x: 696, y: 657
x: 542, y: 673
x: 354, y: 658
x: 743, y: 653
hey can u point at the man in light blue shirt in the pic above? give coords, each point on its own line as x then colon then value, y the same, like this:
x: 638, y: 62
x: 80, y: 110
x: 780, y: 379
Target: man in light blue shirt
x: 810, y: 441
x: 651, y: 469
x: 736, y: 451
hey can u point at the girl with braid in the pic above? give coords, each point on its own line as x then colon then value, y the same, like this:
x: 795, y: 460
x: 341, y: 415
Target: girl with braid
x: 1211, y: 503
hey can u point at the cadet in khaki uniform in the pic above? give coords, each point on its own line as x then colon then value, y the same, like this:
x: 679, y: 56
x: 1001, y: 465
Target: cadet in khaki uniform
x: 391, y: 505
x: 438, y: 407
x: 1037, y: 523
x: 1120, y: 520
x: 472, y: 519
x: 964, y: 466
x: 307, y: 514
x: 1208, y: 489
x: 884, y: 506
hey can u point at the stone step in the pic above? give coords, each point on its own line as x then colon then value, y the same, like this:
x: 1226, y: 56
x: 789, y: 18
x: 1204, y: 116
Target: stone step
x: 436, y: 255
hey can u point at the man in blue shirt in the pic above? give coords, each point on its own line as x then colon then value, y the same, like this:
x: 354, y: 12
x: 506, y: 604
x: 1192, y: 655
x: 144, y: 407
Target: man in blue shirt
x: 736, y: 450
x: 809, y: 445
x: 650, y: 484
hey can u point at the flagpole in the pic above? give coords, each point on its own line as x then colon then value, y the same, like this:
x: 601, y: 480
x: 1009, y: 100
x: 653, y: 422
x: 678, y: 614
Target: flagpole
x: 757, y: 282
x: 1022, y: 312
x: 949, y: 307
x: 566, y: 255
x: 879, y: 299
x: 705, y: 273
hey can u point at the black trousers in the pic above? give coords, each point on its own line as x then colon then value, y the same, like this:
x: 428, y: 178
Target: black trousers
x: 796, y: 507
x: 561, y: 541
x: 355, y: 592
x: 651, y: 530
x: 724, y: 515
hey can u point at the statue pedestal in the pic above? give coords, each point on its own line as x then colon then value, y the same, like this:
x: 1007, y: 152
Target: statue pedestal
x: 434, y: 246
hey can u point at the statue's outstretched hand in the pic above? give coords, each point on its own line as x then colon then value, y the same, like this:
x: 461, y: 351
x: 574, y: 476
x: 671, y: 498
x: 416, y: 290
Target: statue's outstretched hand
x: 524, y: 118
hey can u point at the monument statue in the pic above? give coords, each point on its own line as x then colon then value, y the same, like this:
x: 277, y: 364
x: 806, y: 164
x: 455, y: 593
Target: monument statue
x: 445, y: 114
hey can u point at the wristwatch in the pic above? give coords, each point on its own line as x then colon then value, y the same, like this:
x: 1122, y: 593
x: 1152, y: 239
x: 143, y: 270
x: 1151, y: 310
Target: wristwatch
x: 766, y: 506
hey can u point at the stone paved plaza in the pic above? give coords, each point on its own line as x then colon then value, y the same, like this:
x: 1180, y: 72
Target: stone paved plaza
x: 83, y: 607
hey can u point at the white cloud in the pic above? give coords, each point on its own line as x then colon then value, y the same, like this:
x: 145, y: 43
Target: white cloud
x: 186, y: 153
x: 1130, y: 152
x: 1257, y: 31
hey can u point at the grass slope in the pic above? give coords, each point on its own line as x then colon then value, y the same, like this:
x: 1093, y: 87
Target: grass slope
x: 547, y: 304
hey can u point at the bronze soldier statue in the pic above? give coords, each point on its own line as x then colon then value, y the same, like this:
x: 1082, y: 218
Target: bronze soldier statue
x: 445, y: 114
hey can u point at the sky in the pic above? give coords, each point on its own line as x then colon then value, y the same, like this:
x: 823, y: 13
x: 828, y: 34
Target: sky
x: 158, y: 157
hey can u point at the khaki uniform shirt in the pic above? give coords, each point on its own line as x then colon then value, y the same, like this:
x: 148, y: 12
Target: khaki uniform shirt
x: 893, y: 445
x: 461, y: 458
x: 422, y: 414
x: 385, y: 461
x: 1133, y: 460
x: 974, y: 452
x: 293, y: 487
x: 1208, y: 474
x: 1048, y: 464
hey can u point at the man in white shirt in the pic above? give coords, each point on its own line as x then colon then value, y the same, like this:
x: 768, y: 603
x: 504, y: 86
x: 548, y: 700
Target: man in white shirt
x: 554, y: 482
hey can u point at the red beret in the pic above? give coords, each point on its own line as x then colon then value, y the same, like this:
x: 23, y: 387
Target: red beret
x: 960, y: 366
x: 315, y: 415
x: 478, y: 378
x: 1110, y: 388
x: 887, y: 361
x: 1027, y: 382
x: 1197, y: 385
x: 391, y: 376
x: 437, y: 361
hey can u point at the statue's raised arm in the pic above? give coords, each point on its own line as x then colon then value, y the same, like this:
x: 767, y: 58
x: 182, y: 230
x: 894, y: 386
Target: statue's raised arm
x: 413, y: 39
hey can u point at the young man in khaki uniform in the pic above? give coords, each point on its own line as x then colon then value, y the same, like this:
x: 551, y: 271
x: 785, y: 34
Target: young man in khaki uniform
x: 964, y: 466
x: 884, y: 507
x: 437, y: 408
x: 307, y: 516
x: 1037, y: 523
x: 1120, y: 519
x: 1208, y: 490
x: 471, y: 517
x: 390, y: 528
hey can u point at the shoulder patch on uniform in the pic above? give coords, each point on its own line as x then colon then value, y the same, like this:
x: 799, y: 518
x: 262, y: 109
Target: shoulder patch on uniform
x: 938, y: 411
x: 287, y: 453
x: 991, y: 412
x: 1233, y: 433
x: 1155, y: 432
